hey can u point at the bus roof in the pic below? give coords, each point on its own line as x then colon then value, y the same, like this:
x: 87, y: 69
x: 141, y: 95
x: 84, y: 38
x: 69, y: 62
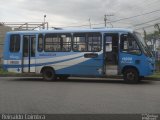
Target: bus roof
x: 73, y: 30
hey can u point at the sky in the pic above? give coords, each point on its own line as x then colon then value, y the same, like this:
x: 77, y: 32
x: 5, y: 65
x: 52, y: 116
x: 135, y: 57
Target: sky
x: 66, y: 13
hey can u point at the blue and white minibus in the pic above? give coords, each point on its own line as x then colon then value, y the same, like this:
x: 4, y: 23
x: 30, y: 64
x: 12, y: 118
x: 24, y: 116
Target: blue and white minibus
x: 78, y: 52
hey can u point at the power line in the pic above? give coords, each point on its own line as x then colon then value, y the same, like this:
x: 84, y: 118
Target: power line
x: 105, y: 20
x: 136, y: 5
x: 158, y: 10
x: 145, y: 22
x: 133, y: 16
x: 136, y: 16
x: 148, y: 26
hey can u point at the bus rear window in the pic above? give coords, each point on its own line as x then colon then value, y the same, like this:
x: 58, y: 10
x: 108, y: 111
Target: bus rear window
x: 14, y: 43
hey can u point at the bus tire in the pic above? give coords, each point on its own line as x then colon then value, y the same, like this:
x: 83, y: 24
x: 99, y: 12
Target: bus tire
x: 48, y: 74
x: 131, y: 75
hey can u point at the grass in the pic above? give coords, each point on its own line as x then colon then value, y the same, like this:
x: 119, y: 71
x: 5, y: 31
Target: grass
x: 6, y: 73
x: 3, y: 71
x: 156, y: 75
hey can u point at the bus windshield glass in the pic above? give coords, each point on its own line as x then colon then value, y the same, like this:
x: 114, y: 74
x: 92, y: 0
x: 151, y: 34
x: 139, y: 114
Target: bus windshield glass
x: 143, y: 44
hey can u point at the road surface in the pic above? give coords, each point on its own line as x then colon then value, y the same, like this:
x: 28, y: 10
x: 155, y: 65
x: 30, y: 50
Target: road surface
x: 75, y: 95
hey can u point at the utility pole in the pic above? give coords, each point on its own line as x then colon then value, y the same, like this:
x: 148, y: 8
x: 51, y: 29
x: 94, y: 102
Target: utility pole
x: 44, y: 21
x: 90, y: 23
x: 105, y: 20
x: 145, y: 35
x: 26, y: 26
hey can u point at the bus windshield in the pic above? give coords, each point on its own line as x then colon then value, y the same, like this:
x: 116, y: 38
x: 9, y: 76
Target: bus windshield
x: 143, y: 44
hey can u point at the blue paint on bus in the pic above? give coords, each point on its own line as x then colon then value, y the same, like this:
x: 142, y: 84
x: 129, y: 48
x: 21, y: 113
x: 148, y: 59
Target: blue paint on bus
x: 90, y: 59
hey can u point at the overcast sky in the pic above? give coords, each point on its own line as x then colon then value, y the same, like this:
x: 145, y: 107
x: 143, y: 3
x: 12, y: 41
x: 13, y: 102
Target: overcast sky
x: 77, y: 12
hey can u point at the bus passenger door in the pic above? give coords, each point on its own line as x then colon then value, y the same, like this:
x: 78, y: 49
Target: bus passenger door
x: 111, y: 41
x: 28, y: 61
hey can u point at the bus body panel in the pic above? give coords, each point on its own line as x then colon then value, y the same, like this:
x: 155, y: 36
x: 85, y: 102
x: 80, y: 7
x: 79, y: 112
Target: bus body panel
x: 140, y: 62
x: 71, y: 63
x: 12, y: 61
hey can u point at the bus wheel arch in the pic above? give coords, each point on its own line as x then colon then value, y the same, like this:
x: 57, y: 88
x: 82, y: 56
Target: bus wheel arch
x: 48, y: 73
x: 130, y: 74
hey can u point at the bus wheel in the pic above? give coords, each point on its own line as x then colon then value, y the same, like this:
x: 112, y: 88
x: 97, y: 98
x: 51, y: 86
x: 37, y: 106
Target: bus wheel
x: 49, y: 74
x: 131, y: 75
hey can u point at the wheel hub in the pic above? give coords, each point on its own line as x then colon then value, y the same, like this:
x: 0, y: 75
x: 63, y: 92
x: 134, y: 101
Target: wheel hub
x: 130, y: 76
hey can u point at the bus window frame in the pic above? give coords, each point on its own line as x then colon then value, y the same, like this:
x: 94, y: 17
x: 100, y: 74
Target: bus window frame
x: 87, y: 35
x: 19, y: 47
x: 135, y: 39
x: 58, y: 34
x: 73, y: 42
x: 40, y: 50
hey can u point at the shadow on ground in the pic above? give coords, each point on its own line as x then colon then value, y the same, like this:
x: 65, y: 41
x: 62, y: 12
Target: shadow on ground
x: 83, y: 80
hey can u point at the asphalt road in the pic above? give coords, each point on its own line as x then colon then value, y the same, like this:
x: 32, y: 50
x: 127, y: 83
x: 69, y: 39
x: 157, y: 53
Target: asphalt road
x: 33, y: 95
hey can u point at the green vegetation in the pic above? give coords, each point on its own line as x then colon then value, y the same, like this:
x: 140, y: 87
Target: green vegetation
x: 6, y: 73
x: 157, y: 63
x: 150, y: 36
x: 156, y: 75
x: 3, y: 71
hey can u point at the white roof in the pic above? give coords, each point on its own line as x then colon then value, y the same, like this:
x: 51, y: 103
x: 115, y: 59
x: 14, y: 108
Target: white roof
x: 75, y: 30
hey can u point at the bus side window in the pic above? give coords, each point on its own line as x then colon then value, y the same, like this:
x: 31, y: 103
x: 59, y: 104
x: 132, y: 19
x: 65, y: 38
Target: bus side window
x: 14, y: 43
x: 80, y: 42
x: 129, y: 44
x: 94, y: 42
x: 55, y: 42
x: 25, y: 46
x: 65, y: 42
x: 33, y: 44
x: 40, y: 43
x: 87, y: 42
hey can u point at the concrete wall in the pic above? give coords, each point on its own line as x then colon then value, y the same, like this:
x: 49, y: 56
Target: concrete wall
x: 1, y: 53
x: 3, y: 30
